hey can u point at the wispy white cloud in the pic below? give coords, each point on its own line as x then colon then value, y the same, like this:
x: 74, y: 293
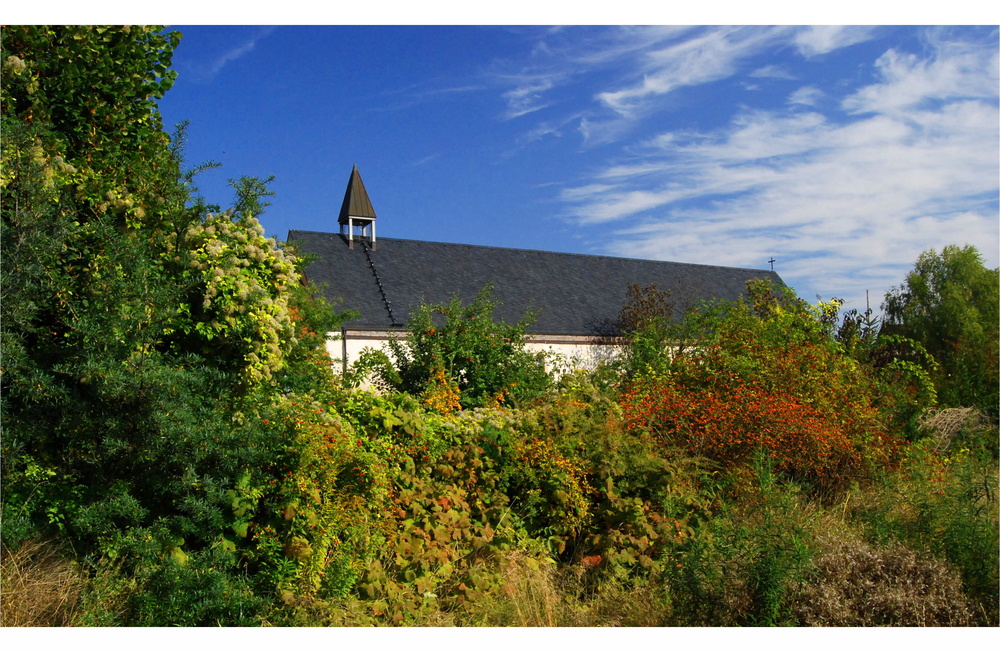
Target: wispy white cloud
x: 772, y: 71
x: 527, y: 97
x: 710, y: 56
x: 807, y: 95
x: 554, y: 128
x: 960, y: 70
x: 542, y: 130
x: 635, y: 71
x: 612, y: 46
x: 844, y: 201
x: 425, y: 160
x: 435, y: 90
x: 821, y: 39
x: 579, y: 57
x: 207, y: 70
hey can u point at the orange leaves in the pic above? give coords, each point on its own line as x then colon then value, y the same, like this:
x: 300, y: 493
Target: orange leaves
x: 727, y: 421
x: 767, y: 378
x: 441, y: 394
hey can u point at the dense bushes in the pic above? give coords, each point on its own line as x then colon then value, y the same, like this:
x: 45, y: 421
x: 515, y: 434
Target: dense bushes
x: 145, y: 342
x: 173, y: 424
x: 765, y: 376
x: 455, y: 349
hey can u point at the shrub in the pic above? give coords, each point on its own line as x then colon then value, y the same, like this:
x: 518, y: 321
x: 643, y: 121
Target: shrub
x: 741, y: 566
x: 306, y: 518
x: 485, y: 359
x: 646, y: 323
x: 198, y: 591
x: 236, y: 305
x: 443, y: 519
x: 946, y: 505
x: 854, y: 584
x: 766, y: 375
x: 730, y: 424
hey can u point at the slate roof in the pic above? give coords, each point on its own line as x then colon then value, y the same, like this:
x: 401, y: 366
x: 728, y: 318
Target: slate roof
x: 573, y: 294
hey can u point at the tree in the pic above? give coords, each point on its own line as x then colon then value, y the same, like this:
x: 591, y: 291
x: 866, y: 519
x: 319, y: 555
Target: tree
x: 147, y: 345
x: 95, y: 88
x: 484, y: 359
x: 646, y: 323
x: 949, y: 304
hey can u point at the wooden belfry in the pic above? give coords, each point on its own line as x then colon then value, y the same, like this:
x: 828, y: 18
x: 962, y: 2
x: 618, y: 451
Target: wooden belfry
x: 357, y: 212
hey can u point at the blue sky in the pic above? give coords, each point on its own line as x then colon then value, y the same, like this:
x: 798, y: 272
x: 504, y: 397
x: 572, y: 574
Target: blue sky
x: 840, y: 152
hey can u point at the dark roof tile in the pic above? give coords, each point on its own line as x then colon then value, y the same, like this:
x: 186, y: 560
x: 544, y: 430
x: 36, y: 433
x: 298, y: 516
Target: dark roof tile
x: 573, y: 294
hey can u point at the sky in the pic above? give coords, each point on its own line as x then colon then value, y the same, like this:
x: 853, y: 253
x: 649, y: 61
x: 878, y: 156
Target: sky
x: 841, y: 153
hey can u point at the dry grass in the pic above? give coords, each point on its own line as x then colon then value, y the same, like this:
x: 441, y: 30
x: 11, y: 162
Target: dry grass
x: 534, y: 593
x: 38, y: 587
x: 858, y: 585
x: 946, y: 425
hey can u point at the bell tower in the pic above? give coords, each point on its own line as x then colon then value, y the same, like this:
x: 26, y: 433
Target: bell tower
x: 356, y: 212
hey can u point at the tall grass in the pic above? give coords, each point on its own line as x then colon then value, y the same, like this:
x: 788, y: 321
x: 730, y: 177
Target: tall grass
x: 39, y: 586
x: 856, y: 584
x: 944, y: 505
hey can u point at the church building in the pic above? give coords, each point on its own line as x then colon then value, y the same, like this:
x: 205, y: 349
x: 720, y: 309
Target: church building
x: 577, y: 297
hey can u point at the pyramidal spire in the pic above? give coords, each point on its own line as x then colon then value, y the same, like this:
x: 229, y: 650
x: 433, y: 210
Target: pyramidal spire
x: 356, y: 201
x: 356, y: 211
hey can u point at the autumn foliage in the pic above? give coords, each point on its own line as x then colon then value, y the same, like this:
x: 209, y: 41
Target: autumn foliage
x: 728, y: 423
x: 765, y: 376
x: 179, y: 449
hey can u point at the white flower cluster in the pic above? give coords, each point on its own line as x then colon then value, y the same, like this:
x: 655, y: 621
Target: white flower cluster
x: 245, y: 278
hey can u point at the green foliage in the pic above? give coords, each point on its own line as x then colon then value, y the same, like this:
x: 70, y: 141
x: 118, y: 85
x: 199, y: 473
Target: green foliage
x: 249, y: 191
x: 305, y: 519
x: 235, y: 308
x: 93, y: 85
x: 766, y: 374
x: 646, y: 322
x: 857, y: 331
x: 197, y: 592
x: 139, y: 336
x: 444, y: 523
x: 485, y: 359
x: 548, y: 491
x: 96, y: 87
x: 950, y: 304
x: 946, y: 504
x: 742, y: 566
x: 307, y: 363
x: 904, y: 373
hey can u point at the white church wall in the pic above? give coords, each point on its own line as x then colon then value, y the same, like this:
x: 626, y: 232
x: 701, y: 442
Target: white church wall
x: 566, y: 352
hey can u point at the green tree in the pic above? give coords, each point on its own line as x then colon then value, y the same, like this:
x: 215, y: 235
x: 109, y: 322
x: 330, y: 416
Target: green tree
x: 949, y: 304
x: 96, y: 87
x: 147, y: 345
x: 484, y: 358
x: 647, y: 327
